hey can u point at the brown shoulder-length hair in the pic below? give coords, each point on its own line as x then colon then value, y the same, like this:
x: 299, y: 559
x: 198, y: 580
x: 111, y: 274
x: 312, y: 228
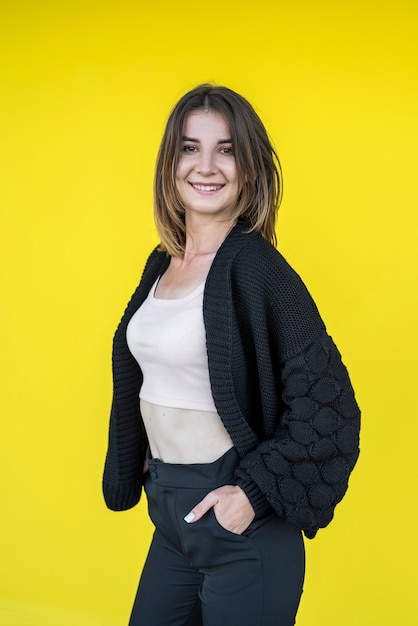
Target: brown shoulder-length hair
x: 258, y: 166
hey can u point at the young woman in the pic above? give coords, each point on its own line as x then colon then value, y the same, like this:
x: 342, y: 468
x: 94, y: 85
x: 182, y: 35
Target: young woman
x: 231, y: 404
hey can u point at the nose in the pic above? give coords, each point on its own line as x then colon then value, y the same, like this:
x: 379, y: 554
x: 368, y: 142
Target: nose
x: 206, y: 164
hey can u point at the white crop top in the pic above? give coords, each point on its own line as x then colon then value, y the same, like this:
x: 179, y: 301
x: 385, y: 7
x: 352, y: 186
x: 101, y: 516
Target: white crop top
x: 167, y: 338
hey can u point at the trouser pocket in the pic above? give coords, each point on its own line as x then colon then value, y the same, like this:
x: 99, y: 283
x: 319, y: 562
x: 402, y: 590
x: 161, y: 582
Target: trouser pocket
x: 206, y: 543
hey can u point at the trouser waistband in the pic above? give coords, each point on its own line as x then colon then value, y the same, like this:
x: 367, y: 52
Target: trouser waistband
x: 195, y: 475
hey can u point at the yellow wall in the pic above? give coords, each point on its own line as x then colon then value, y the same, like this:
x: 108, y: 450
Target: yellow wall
x: 84, y: 92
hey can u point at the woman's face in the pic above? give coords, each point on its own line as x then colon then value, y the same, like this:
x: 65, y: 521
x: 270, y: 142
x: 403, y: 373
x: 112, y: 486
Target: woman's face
x: 206, y: 176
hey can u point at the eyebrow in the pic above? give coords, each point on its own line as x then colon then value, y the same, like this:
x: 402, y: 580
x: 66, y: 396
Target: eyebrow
x: 184, y: 138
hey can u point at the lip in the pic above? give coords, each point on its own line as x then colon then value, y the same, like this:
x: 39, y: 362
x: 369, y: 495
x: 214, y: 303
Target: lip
x: 206, y: 188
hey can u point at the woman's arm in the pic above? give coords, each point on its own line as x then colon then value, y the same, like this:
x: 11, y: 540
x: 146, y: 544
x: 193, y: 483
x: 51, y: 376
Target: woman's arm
x: 303, y: 470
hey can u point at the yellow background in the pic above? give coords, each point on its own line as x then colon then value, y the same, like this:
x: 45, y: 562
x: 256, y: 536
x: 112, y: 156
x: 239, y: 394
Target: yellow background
x: 85, y: 89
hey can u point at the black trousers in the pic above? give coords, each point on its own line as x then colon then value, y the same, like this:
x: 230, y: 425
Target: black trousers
x: 201, y: 574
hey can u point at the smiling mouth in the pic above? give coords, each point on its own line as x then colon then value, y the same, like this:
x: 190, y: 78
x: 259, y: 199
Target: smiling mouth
x: 206, y: 188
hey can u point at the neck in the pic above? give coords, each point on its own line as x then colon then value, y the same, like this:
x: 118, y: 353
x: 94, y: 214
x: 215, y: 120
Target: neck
x: 205, y: 239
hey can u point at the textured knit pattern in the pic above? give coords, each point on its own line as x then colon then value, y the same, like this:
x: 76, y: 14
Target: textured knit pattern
x: 277, y: 381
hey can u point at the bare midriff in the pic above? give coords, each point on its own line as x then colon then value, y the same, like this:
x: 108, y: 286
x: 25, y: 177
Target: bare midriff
x: 184, y: 435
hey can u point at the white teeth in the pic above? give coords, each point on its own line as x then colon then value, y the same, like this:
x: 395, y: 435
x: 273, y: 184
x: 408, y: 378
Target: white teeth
x: 207, y: 187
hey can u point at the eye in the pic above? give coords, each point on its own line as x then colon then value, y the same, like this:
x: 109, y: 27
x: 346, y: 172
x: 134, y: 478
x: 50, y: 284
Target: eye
x: 188, y: 149
x: 228, y: 150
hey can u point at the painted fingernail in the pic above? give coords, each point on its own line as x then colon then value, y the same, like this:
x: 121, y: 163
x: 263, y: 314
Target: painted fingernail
x: 189, y: 518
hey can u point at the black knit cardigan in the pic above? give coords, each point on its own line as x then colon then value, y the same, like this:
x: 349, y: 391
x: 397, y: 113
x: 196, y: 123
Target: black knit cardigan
x: 277, y: 381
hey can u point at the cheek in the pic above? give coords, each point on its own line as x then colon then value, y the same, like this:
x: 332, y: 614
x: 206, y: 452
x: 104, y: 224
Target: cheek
x: 233, y: 173
x: 180, y: 182
x: 181, y: 172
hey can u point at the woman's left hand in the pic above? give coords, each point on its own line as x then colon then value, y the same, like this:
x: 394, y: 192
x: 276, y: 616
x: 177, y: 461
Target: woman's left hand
x: 230, y: 505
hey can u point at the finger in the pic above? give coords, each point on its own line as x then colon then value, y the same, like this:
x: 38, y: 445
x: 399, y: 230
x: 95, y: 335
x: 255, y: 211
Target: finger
x: 202, y: 507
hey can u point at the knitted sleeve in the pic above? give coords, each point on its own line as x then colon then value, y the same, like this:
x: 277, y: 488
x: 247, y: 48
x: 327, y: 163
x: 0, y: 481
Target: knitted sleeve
x: 302, y: 467
x: 123, y: 476
x: 303, y: 470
